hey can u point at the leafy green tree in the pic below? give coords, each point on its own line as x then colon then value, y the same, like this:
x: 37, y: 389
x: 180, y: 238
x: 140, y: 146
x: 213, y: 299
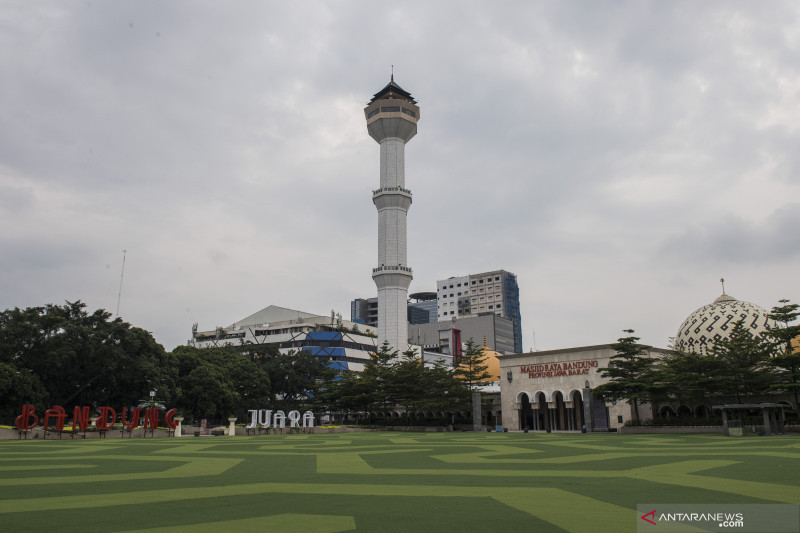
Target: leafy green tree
x: 207, y: 392
x: 786, y: 361
x: 744, y: 364
x: 630, y: 372
x: 219, y: 382
x: 67, y: 356
x: 298, y: 379
x: 472, y: 368
x: 17, y: 387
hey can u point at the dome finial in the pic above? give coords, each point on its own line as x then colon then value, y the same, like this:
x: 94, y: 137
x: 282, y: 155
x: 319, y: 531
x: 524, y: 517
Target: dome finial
x: 392, y: 77
x: 722, y: 280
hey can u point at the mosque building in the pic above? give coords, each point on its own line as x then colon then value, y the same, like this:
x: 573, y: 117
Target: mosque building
x: 552, y: 390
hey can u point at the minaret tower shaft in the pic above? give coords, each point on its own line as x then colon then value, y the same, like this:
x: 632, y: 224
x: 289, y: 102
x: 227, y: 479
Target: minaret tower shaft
x: 392, y: 117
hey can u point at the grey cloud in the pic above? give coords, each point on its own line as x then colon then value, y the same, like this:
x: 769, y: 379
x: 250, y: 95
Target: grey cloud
x: 175, y: 130
x: 732, y: 239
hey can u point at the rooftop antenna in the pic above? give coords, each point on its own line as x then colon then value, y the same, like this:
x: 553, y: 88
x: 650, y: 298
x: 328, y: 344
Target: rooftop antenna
x: 722, y: 280
x: 121, y: 276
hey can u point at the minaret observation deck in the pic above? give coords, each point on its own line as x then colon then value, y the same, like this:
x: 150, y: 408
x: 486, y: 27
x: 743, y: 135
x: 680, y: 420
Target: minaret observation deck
x: 392, y: 117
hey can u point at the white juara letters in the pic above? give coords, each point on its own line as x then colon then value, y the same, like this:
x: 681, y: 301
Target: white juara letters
x: 265, y: 419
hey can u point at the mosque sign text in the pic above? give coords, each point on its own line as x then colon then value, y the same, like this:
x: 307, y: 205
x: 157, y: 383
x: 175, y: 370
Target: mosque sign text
x: 552, y: 370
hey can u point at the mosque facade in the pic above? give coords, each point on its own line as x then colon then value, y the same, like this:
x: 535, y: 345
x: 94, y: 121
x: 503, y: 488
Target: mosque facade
x: 552, y: 390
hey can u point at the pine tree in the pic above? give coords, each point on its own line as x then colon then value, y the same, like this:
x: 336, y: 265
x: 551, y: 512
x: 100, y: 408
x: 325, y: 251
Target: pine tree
x: 472, y: 369
x: 786, y: 359
x: 744, y: 364
x: 630, y: 372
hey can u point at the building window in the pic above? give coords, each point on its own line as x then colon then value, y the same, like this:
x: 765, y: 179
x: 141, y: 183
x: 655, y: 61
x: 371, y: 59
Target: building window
x: 497, y: 278
x: 498, y: 306
x: 490, y: 307
x: 451, y: 286
x: 480, y: 281
x: 473, y: 282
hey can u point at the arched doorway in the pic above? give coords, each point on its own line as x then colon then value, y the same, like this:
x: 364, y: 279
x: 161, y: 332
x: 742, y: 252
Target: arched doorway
x: 666, y: 412
x: 543, y: 412
x: 560, y: 411
x: 577, y: 410
x: 525, y: 412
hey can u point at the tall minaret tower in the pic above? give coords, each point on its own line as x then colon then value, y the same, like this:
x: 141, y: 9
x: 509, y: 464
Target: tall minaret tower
x: 392, y: 117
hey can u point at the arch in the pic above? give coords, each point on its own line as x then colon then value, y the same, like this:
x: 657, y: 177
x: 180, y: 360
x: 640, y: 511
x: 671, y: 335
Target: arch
x: 666, y: 411
x: 542, y: 412
x: 558, y: 391
x: 572, y: 393
x: 684, y: 410
x: 518, y: 399
x: 577, y: 409
x: 547, y: 397
x: 526, y: 417
x: 559, y: 413
x: 701, y: 411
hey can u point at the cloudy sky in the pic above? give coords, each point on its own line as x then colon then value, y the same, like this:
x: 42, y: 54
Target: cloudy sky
x: 618, y: 157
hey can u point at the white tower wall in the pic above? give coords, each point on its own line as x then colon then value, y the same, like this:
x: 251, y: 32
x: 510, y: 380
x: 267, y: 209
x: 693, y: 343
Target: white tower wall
x: 392, y: 121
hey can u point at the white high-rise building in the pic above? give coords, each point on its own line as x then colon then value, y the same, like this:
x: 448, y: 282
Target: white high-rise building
x: 392, y: 117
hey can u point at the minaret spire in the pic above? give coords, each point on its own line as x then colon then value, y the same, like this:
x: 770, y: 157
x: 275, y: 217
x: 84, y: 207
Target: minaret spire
x: 392, y: 117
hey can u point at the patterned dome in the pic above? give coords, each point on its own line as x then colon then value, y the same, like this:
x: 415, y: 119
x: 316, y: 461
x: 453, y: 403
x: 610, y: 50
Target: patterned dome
x: 714, y: 322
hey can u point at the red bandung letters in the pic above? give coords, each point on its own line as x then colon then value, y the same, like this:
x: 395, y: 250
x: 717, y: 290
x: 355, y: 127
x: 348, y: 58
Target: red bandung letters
x: 28, y: 419
x: 23, y: 421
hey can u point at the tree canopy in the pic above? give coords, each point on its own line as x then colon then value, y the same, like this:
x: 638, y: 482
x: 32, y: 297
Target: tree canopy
x: 630, y: 373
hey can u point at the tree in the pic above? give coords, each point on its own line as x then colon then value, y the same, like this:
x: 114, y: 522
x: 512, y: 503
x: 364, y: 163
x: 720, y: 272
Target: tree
x: 379, y: 375
x: 744, y: 361
x: 786, y: 359
x: 388, y: 382
x: 472, y: 369
x: 408, y: 384
x: 219, y: 382
x: 65, y: 355
x: 297, y: 378
x: 687, y: 377
x: 630, y: 372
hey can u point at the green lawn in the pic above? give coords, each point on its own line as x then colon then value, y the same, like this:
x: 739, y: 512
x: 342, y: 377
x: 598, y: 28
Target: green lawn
x: 383, y: 481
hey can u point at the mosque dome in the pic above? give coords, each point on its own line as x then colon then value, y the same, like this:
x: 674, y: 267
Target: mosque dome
x: 714, y: 322
x: 489, y: 358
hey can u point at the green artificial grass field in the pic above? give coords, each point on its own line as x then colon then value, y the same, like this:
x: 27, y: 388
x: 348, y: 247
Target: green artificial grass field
x: 386, y: 481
